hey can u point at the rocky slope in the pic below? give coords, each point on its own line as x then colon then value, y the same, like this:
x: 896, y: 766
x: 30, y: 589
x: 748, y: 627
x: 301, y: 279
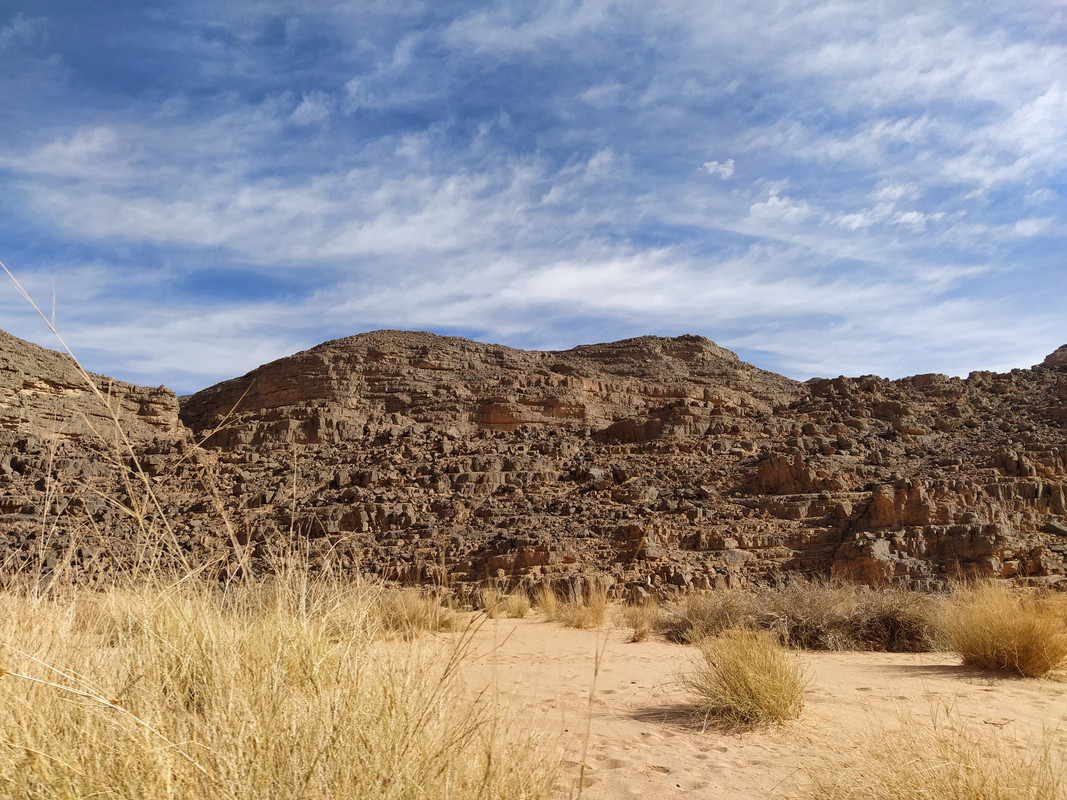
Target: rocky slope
x: 656, y: 465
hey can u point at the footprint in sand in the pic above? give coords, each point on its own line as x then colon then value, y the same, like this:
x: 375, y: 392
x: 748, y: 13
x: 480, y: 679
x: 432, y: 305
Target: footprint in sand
x: 657, y: 768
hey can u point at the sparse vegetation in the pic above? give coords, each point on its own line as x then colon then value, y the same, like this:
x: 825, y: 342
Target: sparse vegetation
x: 744, y: 678
x: 514, y: 604
x: 278, y: 690
x: 813, y: 616
x: 994, y: 627
x: 643, y: 618
x: 940, y: 758
x: 586, y: 611
x: 703, y: 615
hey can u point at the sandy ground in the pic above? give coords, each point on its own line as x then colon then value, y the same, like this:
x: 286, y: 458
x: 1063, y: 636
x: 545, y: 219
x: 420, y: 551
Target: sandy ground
x: 643, y: 742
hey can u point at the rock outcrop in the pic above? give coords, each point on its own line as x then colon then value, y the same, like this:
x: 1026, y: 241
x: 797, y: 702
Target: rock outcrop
x: 656, y: 465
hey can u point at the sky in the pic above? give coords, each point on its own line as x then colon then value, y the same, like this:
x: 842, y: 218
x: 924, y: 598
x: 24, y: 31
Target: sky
x: 825, y: 187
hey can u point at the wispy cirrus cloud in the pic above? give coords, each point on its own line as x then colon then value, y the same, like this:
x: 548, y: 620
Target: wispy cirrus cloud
x: 829, y: 187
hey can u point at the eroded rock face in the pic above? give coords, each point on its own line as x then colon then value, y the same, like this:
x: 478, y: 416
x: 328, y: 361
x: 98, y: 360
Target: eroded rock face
x: 43, y: 394
x: 656, y: 465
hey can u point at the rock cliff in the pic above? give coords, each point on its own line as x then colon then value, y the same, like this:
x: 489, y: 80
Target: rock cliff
x: 656, y: 465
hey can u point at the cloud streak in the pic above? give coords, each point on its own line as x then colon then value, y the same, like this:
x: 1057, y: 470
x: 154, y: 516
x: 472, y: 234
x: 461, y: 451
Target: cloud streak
x: 832, y: 188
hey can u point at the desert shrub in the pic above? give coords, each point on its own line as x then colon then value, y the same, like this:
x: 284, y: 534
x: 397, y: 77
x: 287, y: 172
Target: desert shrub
x: 836, y: 616
x: 744, y: 678
x: 940, y: 758
x: 514, y: 604
x: 643, y: 618
x: 996, y: 628
x: 702, y: 615
x: 491, y: 601
x: 585, y: 611
x: 814, y: 616
x: 546, y: 601
x: 411, y: 611
x: 517, y: 604
x: 270, y: 691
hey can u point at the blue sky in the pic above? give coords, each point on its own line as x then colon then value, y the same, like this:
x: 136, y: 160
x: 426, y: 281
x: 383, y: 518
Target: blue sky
x: 824, y: 187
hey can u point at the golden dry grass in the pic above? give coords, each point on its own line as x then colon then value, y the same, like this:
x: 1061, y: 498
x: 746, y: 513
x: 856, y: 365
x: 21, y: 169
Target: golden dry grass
x: 276, y: 690
x: 587, y: 611
x: 644, y: 618
x: 939, y: 758
x: 744, y: 678
x: 997, y: 628
x: 495, y: 603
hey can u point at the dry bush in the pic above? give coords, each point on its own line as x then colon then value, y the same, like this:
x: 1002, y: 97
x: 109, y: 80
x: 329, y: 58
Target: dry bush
x: 274, y: 690
x: 703, y: 615
x: 644, y: 618
x: 838, y: 616
x: 937, y: 759
x: 517, y: 604
x: 412, y: 611
x: 547, y: 602
x: 587, y: 611
x: 744, y: 678
x: 491, y: 602
x: 514, y: 604
x: 996, y: 628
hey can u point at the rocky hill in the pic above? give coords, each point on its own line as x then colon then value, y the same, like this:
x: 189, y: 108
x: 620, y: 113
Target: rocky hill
x: 656, y: 465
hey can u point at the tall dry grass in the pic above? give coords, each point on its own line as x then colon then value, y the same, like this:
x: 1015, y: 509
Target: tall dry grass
x: 583, y: 612
x: 744, y: 678
x: 278, y: 689
x: 495, y: 603
x: 939, y: 758
x: 997, y: 628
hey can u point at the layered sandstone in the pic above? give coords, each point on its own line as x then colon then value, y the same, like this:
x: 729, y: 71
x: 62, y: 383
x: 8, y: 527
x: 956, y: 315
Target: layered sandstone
x: 656, y: 465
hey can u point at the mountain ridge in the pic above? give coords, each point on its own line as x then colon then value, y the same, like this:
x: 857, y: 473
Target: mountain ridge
x: 652, y: 464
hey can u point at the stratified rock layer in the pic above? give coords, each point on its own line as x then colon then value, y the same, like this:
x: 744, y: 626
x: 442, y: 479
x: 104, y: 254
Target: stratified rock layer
x: 655, y: 465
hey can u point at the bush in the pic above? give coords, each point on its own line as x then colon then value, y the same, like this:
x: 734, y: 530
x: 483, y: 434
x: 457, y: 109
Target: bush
x: 836, y: 616
x: 992, y: 627
x: 587, y: 611
x: 703, y: 615
x: 494, y: 603
x: 643, y: 618
x: 813, y: 616
x: 745, y: 678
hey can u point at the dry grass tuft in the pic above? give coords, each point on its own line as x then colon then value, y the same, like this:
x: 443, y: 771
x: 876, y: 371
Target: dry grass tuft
x: 588, y: 611
x: 281, y: 689
x: 410, y: 611
x: 996, y: 628
x: 644, y: 618
x: 517, y: 604
x: 703, y: 615
x: 744, y: 679
x: 937, y: 759
x: 514, y: 605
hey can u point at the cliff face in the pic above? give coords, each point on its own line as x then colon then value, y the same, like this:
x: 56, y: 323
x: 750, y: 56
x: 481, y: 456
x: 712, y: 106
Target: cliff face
x: 654, y: 464
x: 44, y: 395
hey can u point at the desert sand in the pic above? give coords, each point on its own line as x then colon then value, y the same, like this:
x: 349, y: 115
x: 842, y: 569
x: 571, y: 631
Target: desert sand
x: 640, y: 739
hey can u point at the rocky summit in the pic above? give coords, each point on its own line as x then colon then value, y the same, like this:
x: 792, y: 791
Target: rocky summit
x: 654, y: 465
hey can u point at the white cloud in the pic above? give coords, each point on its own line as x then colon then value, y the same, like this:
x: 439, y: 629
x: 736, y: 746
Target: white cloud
x: 723, y: 170
x: 315, y: 107
x: 1032, y: 226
